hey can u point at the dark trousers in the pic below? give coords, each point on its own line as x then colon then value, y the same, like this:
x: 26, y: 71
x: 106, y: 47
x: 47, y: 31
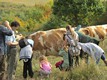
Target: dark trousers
x: 2, y: 67
x: 70, y: 59
x: 27, y: 67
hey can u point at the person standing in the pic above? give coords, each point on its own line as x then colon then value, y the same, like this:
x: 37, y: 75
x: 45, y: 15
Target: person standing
x: 70, y: 39
x: 3, y: 32
x: 12, y: 52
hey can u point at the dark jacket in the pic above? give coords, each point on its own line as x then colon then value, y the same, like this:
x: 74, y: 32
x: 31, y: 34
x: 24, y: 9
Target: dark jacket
x: 3, y: 32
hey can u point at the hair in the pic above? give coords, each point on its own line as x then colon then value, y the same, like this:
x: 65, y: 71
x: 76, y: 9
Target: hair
x: 41, y: 58
x: 65, y: 48
x: 71, y: 31
x: 64, y: 36
x: 15, y: 24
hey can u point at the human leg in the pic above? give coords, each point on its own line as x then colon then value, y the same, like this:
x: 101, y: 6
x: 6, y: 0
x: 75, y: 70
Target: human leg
x: 69, y: 57
x: 12, y: 63
x: 2, y: 67
x: 25, y: 69
x: 30, y: 68
x: 104, y: 59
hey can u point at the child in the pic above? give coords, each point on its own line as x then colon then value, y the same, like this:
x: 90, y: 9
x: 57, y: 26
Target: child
x: 63, y: 64
x: 45, y: 66
x: 26, y: 56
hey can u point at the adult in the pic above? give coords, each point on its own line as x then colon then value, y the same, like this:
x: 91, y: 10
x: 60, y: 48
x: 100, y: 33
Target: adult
x: 3, y: 32
x: 12, y: 52
x: 93, y: 50
x: 71, y: 39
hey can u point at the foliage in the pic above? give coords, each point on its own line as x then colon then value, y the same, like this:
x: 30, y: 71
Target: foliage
x: 86, y: 73
x: 75, y: 12
x: 54, y: 23
x: 30, y: 18
x: 81, y: 72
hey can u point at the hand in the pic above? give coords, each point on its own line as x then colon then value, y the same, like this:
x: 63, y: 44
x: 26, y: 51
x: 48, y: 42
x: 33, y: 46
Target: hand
x: 6, y: 23
x: 9, y: 43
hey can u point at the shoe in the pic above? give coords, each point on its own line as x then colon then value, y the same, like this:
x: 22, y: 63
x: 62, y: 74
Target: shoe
x: 32, y: 79
x: 25, y: 79
x: 105, y: 61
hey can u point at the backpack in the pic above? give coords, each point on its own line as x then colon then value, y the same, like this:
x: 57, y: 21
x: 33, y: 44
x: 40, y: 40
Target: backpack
x: 23, y: 42
x: 74, y: 48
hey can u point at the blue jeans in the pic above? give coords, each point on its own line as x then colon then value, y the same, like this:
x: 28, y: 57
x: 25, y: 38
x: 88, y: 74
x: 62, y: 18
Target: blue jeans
x: 102, y: 57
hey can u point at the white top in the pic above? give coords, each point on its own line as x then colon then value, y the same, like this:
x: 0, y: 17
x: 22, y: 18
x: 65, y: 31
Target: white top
x: 30, y: 41
x: 92, y: 49
x: 26, y: 52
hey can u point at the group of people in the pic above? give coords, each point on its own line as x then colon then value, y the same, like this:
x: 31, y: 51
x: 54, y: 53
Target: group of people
x: 74, y: 47
x: 8, y: 54
x: 8, y: 45
x: 26, y: 45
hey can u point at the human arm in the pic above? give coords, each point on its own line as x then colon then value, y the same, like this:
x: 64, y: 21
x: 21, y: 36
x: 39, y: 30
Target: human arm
x: 40, y: 65
x: 5, y: 30
x: 9, y: 41
x: 6, y: 24
x: 12, y: 43
x: 78, y: 28
x: 50, y: 65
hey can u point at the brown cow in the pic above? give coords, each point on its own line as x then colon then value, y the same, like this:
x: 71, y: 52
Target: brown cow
x: 99, y: 31
x: 48, y: 42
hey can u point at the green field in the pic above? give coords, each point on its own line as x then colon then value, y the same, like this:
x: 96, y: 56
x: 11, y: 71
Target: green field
x: 28, y: 2
x: 82, y: 72
x: 39, y: 16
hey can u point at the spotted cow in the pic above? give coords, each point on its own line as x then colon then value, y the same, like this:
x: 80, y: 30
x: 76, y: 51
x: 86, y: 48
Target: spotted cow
x: 99, y: 31
x: 48, y: 42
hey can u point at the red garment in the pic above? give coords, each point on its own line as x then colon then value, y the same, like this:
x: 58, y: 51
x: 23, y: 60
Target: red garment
x: 59, y: 63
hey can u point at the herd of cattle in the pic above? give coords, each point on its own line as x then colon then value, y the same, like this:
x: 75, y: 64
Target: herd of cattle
x: 49, y: 42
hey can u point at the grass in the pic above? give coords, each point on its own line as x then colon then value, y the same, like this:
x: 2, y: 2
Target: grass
x: 82, y: 72
x: 35, y: 64
x: 27, y: 2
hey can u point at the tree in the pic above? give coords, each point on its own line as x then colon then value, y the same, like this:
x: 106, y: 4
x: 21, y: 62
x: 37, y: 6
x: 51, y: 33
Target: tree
x: 84, y: 12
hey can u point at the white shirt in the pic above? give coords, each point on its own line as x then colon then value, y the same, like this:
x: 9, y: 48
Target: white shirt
x: 26, y: 52
x: 92, y: 49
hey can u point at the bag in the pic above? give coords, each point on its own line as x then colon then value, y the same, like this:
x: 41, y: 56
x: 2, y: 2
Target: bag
x: 23, y: 42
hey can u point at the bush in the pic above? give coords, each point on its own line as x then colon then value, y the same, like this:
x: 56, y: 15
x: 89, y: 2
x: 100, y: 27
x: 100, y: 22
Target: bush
x: 30, y: 18
x: 54, y: 23
x: 86, y: 72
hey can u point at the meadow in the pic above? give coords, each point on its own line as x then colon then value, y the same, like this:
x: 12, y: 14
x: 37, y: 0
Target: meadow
x: 28, y: 2
x: 81, y: 72
x: 34, y: 17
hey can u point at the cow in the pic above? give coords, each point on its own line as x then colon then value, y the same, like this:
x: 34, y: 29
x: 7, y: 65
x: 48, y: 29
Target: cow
x: 99, y: 31
x: 48, y: 42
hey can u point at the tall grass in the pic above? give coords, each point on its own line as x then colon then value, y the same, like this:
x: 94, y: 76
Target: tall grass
x: 82, y: 72
x: 28, y: 2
